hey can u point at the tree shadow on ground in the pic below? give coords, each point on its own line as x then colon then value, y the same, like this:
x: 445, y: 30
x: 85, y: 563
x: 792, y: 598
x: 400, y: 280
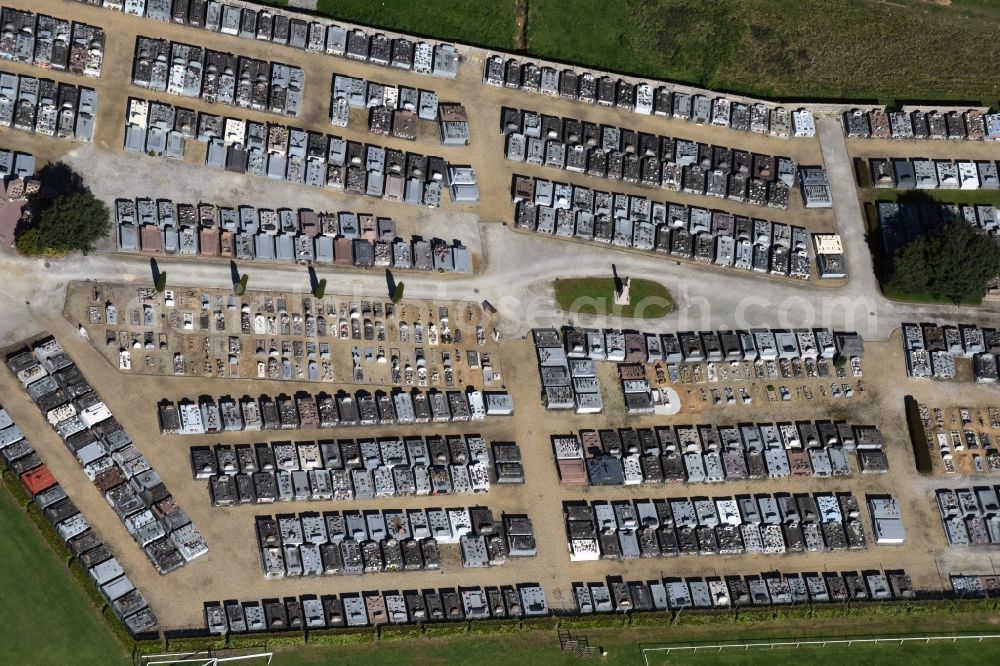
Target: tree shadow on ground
x: 875, y: 236
x: 58, y: 179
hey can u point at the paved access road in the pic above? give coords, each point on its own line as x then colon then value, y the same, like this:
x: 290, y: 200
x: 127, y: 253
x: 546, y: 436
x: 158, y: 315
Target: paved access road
x: 517, y: 279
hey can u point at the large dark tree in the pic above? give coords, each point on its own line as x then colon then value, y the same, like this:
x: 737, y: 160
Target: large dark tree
x: 68, y: 218
x: 73, y: 223
x: 955, y: 263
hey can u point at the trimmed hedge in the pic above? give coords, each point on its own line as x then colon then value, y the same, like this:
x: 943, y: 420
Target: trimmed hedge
x: 656, y: 618
x: 751, y: 615
x: 703, y: 617
x: 19, y: 492
x: 399, y: 632
x: 446, y: 629
x: 149, y: 647
x: 196, y: 643
x: 26, y: 502
x: 505, y: 626
x: 76, y: 570
x: 918, y: 436
x: 871, y: 217
x: 531, y: 623
x: 829, y: 611
x: 49, y: 534
x: 863, y: 175
x: 118, y: 628
x: 281, y: 639
x: 246, y: 641
x: 595, y: 621
x: 341, y: 637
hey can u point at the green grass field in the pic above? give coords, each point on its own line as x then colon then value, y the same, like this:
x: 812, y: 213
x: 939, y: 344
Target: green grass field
x: 785, y: 49
x: 489, y: 23
x: 848, y: 49
x: 924, y: 298
x: 649, y: 300
x: 45, y: 616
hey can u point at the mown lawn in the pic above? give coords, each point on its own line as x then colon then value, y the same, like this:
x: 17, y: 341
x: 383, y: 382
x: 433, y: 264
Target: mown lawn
x: 848, y: 49
x: 489, y: 23
x: 783, y: 49
x: 924, y: 298
x: 629, y: 35
x: 596, y: 296
x: 46, y: 617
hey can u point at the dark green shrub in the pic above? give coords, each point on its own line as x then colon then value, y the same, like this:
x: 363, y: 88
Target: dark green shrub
x: 196, y: 643
x: 76, y: 570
